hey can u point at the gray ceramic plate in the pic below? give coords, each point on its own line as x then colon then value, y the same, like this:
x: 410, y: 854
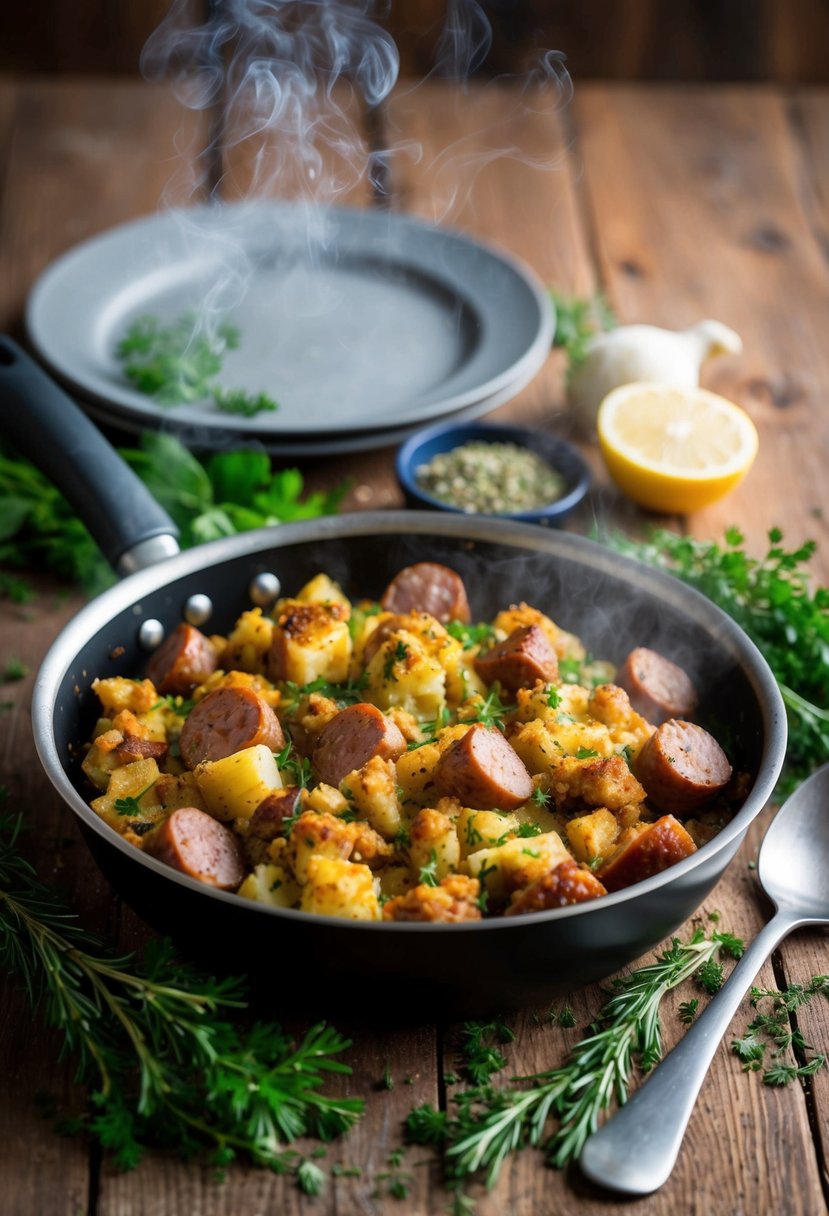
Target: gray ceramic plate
x: 293, y: 446
x: 355, y: 321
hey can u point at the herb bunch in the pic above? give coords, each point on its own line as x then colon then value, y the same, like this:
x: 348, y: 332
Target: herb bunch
x: 771, y: 1031
x: 230, y: 492
x: 153, y: 1043
x: 489, y: 1123
x: 177, y: 362
x: 772, y: 599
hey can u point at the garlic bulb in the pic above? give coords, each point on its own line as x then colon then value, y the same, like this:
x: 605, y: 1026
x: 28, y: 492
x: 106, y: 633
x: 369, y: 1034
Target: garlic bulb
x: 643, y: 353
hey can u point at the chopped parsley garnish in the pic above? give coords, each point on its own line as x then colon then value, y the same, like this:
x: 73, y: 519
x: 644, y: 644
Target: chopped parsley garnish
x: 395, y: 656
x: 470, y: 635
x: 428, y: 873
x: 587, y: 753
x: 129, y: 806
x: 298, y: 768
x: 553, y: 696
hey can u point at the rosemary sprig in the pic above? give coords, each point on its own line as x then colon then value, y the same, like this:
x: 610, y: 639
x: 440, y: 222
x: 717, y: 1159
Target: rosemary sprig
x: 490, y: 1123
x: 152, y: 1042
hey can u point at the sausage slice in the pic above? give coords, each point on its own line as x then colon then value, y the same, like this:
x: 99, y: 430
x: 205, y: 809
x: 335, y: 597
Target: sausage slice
x: 681, y: 766
x: 194, y: 843
x: 428, y: 587
x: 660, y: 845
x: 657, y: 688
x: 354, y: 736
x: 482, y: 771
x: 267, y: 820
x: 568, y: 883
x: 521, y: 659
x: 182, y: 661
x: 227, y: 721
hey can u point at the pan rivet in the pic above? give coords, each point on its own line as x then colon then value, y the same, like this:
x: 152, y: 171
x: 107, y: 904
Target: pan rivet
x: 264, y: 589
x: 198, y: 609
x: 151, y: 634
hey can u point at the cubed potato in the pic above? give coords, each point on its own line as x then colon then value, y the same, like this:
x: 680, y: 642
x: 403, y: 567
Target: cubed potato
x: 340, y: 888
x: 323, y: 590
x: 248, y: 643
x: 516, y: 863
x: 117, y: 693
x: 318, y: 835
x: 483, y: 829
x: 270, y: 884
x: 130, y: 797
x: 326, y: 799
x: 234, y: 786
x: 373, y: 791
x: 434, y: 844
x: 592, y: 836
x: 100, y: 761
x: 311, y: 641
x: 403, y: 673
x: 395, y: 880
x: 415, y: 771
x: 173, y: 791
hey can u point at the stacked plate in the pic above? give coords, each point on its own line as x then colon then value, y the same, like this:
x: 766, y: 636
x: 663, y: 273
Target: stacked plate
x: 363, y: 325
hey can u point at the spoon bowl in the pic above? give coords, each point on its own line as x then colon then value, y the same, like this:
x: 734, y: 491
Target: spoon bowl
x: 792, y: 870
x: 794, y: 856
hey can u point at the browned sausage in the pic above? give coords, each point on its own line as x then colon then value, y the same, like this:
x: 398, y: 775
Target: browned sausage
x: 568, y: 883
x: 428, y: 587
x: 354, y: 736
x: 648, y: 852
x: 266, y: 822
x: 135, y: 748
x: 182, y: 661
x: 681, y: 766
x: 195, y: 843
x: 482, y: 771
x: 657, y: 688
x: 227, y: 721
x: 521, y: 659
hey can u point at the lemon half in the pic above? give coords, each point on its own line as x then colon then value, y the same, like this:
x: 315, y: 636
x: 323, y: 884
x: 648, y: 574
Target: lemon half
x: 673, y: 449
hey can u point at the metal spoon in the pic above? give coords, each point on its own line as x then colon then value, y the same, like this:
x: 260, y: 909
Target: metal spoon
x: 635, y: 1151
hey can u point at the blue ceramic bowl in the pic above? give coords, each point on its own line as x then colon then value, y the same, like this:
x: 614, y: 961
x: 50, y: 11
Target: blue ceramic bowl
x: 559, y: 454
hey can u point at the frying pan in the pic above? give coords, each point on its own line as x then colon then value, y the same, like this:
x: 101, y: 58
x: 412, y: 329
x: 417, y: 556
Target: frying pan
x: 611, y: 602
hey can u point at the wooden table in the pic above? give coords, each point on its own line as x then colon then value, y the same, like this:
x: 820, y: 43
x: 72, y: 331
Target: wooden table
x: 679, y: 204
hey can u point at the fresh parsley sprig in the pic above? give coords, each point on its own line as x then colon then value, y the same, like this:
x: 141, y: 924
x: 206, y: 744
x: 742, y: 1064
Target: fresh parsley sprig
x: 163, y: 1065
x: 230, y: 492
x: 772, y: 599
x: 489, y: 1123
x: 177, y: 361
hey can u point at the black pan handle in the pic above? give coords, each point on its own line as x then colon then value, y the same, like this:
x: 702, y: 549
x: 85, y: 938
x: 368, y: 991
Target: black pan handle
x: 130, y: 527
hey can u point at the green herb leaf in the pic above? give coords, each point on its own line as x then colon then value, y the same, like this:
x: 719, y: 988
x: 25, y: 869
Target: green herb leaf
x: 152, y: 1042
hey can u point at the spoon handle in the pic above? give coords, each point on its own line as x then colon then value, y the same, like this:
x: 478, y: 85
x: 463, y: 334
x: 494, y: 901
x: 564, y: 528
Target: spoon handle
x: 635, y: 1151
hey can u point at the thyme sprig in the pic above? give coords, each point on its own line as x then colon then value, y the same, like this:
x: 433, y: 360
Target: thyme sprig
x: 151, y: 1041
x: 490, y: 1123
x: 772, y: 1030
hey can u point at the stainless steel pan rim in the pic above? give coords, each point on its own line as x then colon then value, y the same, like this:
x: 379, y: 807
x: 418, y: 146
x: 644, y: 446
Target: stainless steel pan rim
x: 524, y: 537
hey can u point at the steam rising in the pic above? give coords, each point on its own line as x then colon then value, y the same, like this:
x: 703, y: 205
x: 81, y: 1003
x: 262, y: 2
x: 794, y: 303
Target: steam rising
x: 297, y: 105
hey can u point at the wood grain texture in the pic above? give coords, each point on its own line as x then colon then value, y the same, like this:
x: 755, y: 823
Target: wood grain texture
x: 679, y: 204
x: 74, y: 170
x: 695, y: 202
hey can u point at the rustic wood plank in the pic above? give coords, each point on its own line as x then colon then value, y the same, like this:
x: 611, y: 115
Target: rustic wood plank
x: 77, y: 171
x: 696, y: 208
x: 42, y: 1171
x: 808, y: 115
